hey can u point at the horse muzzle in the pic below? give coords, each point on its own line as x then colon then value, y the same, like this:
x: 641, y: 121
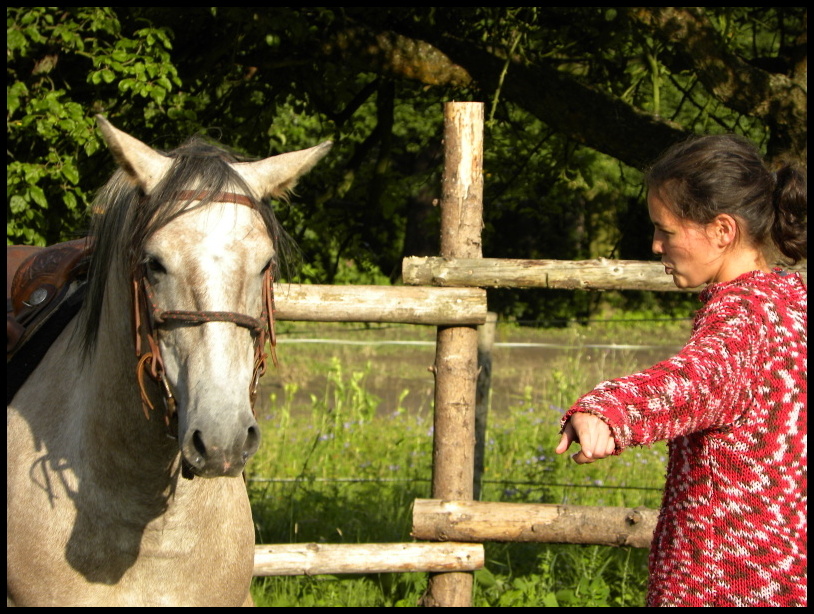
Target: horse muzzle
x: 213, y: 452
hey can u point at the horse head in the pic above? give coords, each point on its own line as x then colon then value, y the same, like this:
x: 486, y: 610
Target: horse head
x: 201, y: 274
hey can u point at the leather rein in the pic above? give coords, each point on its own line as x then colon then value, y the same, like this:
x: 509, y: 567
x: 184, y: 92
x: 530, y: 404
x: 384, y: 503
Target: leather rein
x: 146, y: 328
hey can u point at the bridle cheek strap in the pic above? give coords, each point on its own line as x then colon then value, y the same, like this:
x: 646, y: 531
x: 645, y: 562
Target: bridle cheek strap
x: 266, y: 334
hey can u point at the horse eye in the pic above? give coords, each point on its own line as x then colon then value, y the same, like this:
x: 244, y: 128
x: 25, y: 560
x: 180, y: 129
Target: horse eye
x: 266, y: 267
x: 154, y: 265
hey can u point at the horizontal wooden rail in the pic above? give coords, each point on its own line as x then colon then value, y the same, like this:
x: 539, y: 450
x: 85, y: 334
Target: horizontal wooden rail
x: 481, y: 521
x: 403, y: 304
x: 600, y: 274
x: 314, y: 559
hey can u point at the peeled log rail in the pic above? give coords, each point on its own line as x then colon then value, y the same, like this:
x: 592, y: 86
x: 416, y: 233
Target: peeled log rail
x: 600, y: 274
x: 479, y: 521
x: 410, y: 305
x: 314, y: 559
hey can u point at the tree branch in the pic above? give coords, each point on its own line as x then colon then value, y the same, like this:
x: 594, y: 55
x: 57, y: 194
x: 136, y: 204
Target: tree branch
x: 392, y: 54
x: 776, y: 98
x: 587, y: 115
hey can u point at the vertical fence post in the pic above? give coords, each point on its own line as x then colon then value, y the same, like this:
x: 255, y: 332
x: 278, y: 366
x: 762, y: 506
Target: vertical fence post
x: 456, y: 354
x: 486, y: 341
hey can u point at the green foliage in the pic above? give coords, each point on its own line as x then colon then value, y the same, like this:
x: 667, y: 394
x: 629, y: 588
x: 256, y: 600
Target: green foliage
x: 50, y: 127
x: 589, y: 576
x: 558, y: 183
x: 348, y: 471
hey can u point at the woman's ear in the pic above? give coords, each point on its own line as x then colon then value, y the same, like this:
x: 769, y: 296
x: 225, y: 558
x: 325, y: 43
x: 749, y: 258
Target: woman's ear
x: 724, y: 230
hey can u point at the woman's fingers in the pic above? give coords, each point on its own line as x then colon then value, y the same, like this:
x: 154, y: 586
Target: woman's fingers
x: 593, y: 435
x: 566, y: 438
x: 610, y: 447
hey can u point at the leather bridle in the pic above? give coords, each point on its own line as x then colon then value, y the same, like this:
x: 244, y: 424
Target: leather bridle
x: 146, y: 328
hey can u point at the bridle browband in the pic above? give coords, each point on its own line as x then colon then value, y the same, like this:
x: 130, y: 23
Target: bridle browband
x: 145, y: 328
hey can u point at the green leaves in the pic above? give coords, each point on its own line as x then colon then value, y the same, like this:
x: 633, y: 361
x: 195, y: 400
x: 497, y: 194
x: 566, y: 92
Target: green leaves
x: 64, y: 66
x: 265, y: 81
x: 141, y: 66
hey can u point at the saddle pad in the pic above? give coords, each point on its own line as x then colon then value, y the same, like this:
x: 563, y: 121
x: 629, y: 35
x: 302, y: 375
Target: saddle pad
x: 26, y: 358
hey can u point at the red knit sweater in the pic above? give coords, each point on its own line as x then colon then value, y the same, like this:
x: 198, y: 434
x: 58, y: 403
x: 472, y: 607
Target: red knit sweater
x: 732, y: 527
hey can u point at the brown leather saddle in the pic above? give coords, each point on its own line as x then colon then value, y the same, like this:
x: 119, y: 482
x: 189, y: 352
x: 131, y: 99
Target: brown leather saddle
x: 39, y: 283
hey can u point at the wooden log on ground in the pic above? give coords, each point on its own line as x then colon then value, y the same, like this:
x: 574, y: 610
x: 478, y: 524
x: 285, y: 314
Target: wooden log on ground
x: 315, y: 559
x: 480, y: 521
x: 407, y: 304
x: 600, y: 274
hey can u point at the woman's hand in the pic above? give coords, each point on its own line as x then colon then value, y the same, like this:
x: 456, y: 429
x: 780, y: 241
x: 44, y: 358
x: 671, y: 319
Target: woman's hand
x: 592, y: 434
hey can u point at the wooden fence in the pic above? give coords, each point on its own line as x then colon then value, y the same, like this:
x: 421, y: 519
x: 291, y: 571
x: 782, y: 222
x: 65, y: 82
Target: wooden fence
x: 448, y: 292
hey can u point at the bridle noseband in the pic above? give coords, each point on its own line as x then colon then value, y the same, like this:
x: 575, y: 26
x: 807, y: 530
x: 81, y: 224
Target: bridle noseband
x: 145, y: 328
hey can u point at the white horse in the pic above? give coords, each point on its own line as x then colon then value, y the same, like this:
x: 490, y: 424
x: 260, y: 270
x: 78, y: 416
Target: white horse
x: 104, y: 506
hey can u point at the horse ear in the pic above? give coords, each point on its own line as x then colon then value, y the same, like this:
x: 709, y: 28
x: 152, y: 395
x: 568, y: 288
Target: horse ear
x: 277, y: 175
x: 142, y: 163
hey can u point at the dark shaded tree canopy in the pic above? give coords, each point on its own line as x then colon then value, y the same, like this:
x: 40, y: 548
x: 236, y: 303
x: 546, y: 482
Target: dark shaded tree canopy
x: 578, y: 99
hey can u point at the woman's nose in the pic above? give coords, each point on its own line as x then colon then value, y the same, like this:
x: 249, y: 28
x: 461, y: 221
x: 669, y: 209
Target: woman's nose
x: 657, y: 247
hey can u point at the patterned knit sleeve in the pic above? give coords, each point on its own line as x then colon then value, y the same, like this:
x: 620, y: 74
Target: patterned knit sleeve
x: 707, y: 385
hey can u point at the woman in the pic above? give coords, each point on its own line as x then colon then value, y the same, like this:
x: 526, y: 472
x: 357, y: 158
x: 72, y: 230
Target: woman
x: 732, y: 404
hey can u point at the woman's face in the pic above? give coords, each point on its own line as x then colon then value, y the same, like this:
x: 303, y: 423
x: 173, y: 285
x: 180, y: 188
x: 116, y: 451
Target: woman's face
x: 686, y: 249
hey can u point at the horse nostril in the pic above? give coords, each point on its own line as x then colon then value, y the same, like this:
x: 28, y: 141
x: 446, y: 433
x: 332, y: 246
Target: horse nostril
x: 200, y: 448
x: 252, y: 442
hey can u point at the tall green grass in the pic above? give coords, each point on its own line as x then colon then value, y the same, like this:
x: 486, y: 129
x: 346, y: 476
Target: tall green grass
x: 345, y: 473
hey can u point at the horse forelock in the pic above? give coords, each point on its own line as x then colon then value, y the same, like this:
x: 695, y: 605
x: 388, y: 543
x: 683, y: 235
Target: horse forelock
x: 123, y: 218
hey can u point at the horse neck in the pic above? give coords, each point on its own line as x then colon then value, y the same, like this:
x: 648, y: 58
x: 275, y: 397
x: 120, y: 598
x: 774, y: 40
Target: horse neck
x: 114, y: 411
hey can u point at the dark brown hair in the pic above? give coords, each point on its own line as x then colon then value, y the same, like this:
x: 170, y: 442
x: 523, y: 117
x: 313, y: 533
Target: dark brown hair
x: 706, y: 176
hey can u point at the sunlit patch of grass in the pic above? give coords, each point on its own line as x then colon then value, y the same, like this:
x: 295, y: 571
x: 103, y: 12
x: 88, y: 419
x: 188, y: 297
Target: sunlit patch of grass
x: 349, y: 473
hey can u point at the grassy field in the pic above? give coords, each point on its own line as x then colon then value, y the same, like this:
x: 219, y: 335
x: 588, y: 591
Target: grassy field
x: 338, y: 464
